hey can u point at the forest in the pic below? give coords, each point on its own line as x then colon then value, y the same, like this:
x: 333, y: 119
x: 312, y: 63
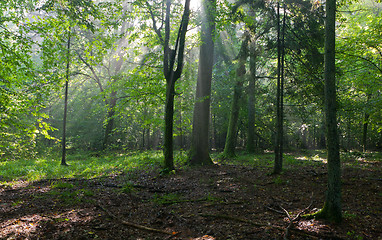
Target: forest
x: 191, y: 119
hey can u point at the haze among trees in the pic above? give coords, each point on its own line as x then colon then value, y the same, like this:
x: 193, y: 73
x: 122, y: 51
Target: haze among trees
x: 186, y: 85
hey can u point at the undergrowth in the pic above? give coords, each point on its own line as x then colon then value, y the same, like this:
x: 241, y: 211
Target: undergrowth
x: 80, y: 166
x: 88, y: 165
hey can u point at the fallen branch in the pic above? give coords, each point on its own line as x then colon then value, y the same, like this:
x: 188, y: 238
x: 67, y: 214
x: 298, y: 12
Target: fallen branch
x: 141, y: 227
x: 274, y: 210
x: 296, y: 218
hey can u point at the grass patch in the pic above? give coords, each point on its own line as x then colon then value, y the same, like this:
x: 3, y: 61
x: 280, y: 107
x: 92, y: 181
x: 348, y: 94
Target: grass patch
x: 128, y: 187
x: 71, y: 197
x: 167, y: 198
x: 80, y: 166
x: 279, y: 181
x: 260, y: 159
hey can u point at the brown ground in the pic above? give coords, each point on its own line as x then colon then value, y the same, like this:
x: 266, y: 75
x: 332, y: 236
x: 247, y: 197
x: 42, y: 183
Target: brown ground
x: 215, y: 202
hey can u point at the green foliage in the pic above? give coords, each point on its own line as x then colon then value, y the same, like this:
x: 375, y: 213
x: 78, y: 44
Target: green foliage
x: 128, y: 187
x: 167, y: 198
x: 360, y: 71
x: 279, y: 181
x: 348, y: 215
x: 354, y: 235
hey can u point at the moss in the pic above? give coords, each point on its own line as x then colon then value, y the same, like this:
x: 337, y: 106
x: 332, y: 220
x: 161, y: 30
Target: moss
x: 329, y: 213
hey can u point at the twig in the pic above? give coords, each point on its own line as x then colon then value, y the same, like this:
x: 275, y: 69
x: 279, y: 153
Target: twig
x: 274, y: 210
x: 141, y: 227
x: 296, y: 218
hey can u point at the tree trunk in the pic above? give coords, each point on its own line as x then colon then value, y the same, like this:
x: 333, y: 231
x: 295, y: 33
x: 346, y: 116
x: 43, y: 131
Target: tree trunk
x: 171, y: 75
x: 279, y: 99
x: 365, y: 125
x: 168, y: 129
x: 110, y: 119
x: 199, y: 152
x: 251, y: 100
x: 332, y: 206
x: 230, y: 143
x: 63, y: 159
x: 364, y: 133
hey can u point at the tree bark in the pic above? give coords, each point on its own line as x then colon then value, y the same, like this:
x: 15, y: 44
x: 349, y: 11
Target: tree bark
x: 110, y: 119
x: 251, y: 100
x: 364, y: 133
x: 168, y: 149
x: 278, y: 166
x: 199, y: 152
x: 172, y: 76
x: 332, y: 206
x: 230, y: 143
x: 63, y: 159
x: 365, y: 125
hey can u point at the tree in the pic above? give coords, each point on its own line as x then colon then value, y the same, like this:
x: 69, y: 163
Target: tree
x: 278, y: 165
x: 251, y: 97
x: 199, y: 152
x: 23, y: 87
x: 63, y: 157
x: 358, y: 47
x: 172, y: 70
x: 230, y: 143
x: 332, y: 205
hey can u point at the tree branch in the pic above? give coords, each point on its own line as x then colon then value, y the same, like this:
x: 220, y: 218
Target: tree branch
x: 141, y: 227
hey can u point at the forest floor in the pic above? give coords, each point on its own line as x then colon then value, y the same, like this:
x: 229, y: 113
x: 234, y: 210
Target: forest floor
x: 225, y: 201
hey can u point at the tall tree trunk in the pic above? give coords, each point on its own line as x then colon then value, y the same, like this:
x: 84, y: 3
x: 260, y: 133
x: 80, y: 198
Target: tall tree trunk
x: 168, y: 147
x: 199, y: 152
x: 365, y: 125
x: 251, y: 99
x: 364, y: 133
x: 278, y: 165
x: 172, y: 76
x: 63, y: 159
x: 110, y: 119
x: 179, y: 137
x: 332, y: 206
x: 230, y: 143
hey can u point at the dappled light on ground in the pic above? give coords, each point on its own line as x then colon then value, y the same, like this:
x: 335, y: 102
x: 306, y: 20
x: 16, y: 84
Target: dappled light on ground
x: 235, y: 199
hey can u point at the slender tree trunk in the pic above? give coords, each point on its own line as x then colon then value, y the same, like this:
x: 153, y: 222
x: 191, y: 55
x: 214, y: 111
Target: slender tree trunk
x: 282, y: 80
x: 365, y: 125
x: 230, y: 143
x: 332, y: 206
x: 278, y: 165
x: 199, y: 152
x: 110, y: 119
x: 172, y: 76
x: 63, y: 159
x: 168, y: 133
x: 364, y: 133
x: 251, y: 100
